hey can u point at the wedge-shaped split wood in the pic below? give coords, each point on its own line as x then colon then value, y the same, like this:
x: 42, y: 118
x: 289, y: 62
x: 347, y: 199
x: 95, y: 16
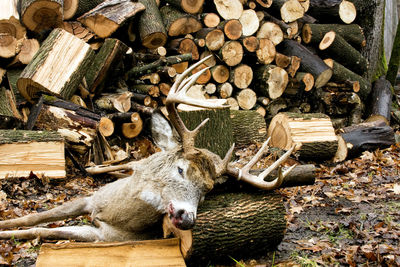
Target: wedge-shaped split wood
x: 107, y: 17
x: 25, y: 152
x: 149, y: 253
x: 312, y: 135
x: 56, y: 68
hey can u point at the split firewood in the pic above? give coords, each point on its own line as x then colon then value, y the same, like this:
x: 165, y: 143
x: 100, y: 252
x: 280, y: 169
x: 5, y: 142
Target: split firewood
x: 8, y: 46
x: 381, y: 101
x: 263, y: 229
x: 214, y: 38
x: 220, y: 73
x: 210, y: 20
x: 51, y: 68
x: 270, y: 81
x: 294, y: 65
x: 332, y: 10
x: 246, y: 98
x: 133, y: 128
x: 364, y: 136
x: 312, y: 134
x: 157, y: 252
x: 9, y: 20
x: 107, y: 17
x: 75, y: 8
x: 151, y: 27
x: 232, y: 28
x: 38, y: 15
x: 76, y: 124
x: 352, y: 33
x: 342, y: 74
x: 309, y: 62
x: 120, y: 102
x: 45, y: 151
x: 225, y: 90
x: 229, y: 9
x: 290, y: 10
x: 231, y: 53
x: 241, y: 76
x: 249, y: 21
x: 270, y: 31
x: 282, y: 60
x: 248, y: 127
x: 178, y: 23
x: 266, y: 51
x: 343, y: 52
x: 110, y: 54
x: 189, y: 6
x: 10, y: 117
x: 184, y: 46
x: 250, y: 43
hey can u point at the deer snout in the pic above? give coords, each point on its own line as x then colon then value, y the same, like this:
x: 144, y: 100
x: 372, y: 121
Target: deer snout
x: 180, y: 217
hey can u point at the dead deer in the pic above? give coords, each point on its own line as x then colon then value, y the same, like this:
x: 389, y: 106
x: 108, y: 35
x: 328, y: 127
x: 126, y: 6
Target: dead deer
x: 171, y: 182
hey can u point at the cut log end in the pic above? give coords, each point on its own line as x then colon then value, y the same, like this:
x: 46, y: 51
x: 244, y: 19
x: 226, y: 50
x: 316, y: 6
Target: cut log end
x: 323, y: 78
x: 328, y: 39
x: 347, y: 12
x: 154, y: 40
x: 106, y: 127
x: 42, y: 15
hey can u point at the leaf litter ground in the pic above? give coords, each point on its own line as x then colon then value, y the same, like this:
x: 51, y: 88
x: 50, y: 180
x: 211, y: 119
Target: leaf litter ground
x: 349, y: 217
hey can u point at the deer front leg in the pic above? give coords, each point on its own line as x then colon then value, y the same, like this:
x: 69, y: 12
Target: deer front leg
x: 79, y: 233
x: 67, y: 210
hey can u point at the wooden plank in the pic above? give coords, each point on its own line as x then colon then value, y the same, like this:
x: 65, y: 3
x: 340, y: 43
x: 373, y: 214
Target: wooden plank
x: 163, y: 252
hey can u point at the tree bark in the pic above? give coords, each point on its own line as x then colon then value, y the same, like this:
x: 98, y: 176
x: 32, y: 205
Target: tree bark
x: 76, y: 8
x: 256, y: 223
x: 248, y: 127
x: 309, y: 62
x: 47, y: 73
x: 394, y: 63
x: 151, y: 28
x: 333, y: 10
x: 381, y: 101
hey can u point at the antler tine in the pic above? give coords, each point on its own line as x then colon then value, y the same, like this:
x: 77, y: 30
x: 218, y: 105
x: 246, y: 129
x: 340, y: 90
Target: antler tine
x: 221, y: 168
x: 258, y: 181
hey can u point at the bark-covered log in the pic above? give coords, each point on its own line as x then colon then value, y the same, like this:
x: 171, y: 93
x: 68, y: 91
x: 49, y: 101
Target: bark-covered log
x: 343, y: 74
x: 9, y: 114
x: 75, y: 8
x: 309, y: 62
x: 111, y: 53
x: 333, y: 10
x: 394, y: 63
x: 364, y: 136
x: 312, y: 134
x: 245, y: 225
x: 250, y: 43
x: 77, y: 29
x: 381, y: 101
x: 45, y: 151
x: 225, y: 90
x: 107, y: 17
x: 54, y: 69
x: 290, y: 10
x: 270, y: 81
x: 216, y: 135
x: 151, y: 28
x: 28, y: 49
x: 248, y: 127
x: 284, y: 26
x: 178, y: 23
x: 133, y: 128
x: 184, y: 46
x: 352, y: 33
x: 38, y: 15
x: 210, y: 20
x: 120, y: 102
x: 337, y: 47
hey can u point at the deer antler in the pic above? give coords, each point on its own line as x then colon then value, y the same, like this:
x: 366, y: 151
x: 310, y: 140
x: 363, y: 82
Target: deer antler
x: 177, y: 94
x: 258, y: 181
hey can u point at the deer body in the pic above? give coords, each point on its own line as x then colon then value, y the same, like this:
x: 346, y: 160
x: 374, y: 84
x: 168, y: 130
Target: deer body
x: 171, y: 182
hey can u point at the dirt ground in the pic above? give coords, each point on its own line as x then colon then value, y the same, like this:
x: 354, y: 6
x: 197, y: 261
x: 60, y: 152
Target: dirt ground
x: 349, y: 217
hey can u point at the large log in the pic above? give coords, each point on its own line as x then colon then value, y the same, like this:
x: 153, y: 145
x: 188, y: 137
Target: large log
x: 232, y: 28
x: 290, y: 10
x: 248, y: 127
x: 333, y: 10
x: 75, y: 8
x: 312, y: 134
x: 45, y: 151
x: 338, y: 48
x: 246, y: 98
x: 189, y: 6
x: 38, y: 15
x: 244, y: 225
x: 249, y: 21
x: 179, y: 23
x: 309, y: 62
x: 107, y: 17
x: 54, y: 69
x: 380, y: 101
x: 231, y: 53
x: 151, y: 28
x: 241, y: 76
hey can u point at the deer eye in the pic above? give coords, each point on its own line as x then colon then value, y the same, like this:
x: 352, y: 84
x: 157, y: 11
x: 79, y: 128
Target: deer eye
x: 180, y: 170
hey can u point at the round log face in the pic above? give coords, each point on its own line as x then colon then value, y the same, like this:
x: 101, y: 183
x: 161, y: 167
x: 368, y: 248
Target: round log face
x: 277, y: 82
x: 215, y: 40
x: 69, y: 8
x: 266, y: 51
x: 229, y: 9
x: 184, y: 25
x: 271, y: 31
x: 249, y: 21
x: 42, y: 15
x: 247, y: 98
x: 327, y: 40
x: 347, y: 11
x: 232, y: 53
x: 192, y: 6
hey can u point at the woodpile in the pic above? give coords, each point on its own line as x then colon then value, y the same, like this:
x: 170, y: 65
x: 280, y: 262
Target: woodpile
x: 93, y: 71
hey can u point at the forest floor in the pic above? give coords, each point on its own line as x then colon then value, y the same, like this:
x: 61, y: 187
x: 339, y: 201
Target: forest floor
x: 350, y: 216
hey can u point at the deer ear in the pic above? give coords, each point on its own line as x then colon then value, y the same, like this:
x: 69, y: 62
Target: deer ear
x: 163, y: 135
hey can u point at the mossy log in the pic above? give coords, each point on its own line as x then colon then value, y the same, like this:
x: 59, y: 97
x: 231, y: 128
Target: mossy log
x: 54, y: 69
x: 245, y: 225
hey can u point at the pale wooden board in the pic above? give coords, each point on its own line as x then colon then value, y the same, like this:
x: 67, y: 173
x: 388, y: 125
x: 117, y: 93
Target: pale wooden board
x: 163, y: 252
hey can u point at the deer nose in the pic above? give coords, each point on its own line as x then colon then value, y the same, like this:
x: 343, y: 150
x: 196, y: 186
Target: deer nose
x: 181, y: 218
